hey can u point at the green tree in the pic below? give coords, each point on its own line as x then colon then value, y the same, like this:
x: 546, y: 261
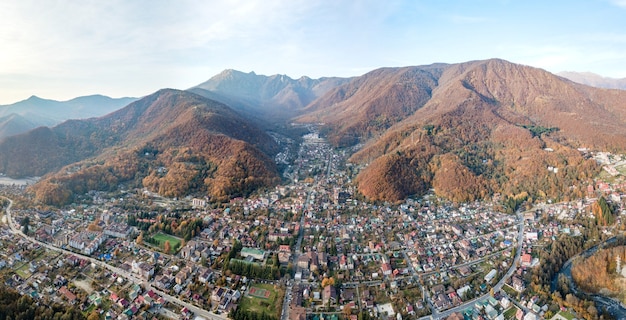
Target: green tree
x: 603, y: 212
x: 25, y: 224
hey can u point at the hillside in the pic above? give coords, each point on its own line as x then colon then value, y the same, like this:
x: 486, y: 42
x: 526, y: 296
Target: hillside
x: 473, y: 129
x: 594, y: 80
x: 34, y: 112
x: 268, y: 97
x: 172, y: 142
x: 13, y: 124
x: 370, y: 104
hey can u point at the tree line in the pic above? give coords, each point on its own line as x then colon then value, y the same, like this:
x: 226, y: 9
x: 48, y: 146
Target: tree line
x: 240, y: 314
x: 17, y: 307
x: 250, y: 269
x: 552, y: 260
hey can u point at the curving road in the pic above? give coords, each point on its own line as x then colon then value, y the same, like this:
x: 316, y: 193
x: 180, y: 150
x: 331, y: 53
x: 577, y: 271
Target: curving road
x: 147, y: 285
x: 497, y: 287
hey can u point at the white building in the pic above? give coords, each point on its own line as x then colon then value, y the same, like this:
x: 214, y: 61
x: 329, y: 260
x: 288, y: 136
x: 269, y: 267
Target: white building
x: 490, y: 275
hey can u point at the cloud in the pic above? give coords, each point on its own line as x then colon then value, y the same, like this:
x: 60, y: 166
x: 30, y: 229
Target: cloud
x: 619, y: 3
x: 66, y: 32
x: 149, y: 44
x: 550, y: 57
x: 135, y: 47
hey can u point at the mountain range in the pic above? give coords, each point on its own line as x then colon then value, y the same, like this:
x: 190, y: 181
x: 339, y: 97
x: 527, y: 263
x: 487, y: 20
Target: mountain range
x: 171, y: 142
x: 273, y: 98
x: 35, y: 112
x: 594, y: 80
x: 468, y: 130
x: 490, y: 127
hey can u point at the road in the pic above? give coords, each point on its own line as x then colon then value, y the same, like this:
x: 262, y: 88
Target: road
x: 298, y: 251
x: 466, y: 238
x: 416, y: 278
x: 471, y: 262
x: 497, y: 287
x: 147, y: 285
x: 286, y: 302
x: 296, y: 255
x: 518, y: 254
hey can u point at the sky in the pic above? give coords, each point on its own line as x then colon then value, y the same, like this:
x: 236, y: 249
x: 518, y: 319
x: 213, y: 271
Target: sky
x: 61, y: 49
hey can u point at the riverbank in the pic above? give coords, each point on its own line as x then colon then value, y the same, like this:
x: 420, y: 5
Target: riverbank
x: 614, y: 307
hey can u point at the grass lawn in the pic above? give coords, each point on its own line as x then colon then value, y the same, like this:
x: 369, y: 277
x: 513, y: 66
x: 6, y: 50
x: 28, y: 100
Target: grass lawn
x: 412, y: 294
x: 510, y: 313
x: 606, y: 176
x: 509, y: 290
x: 23, y: 271
x: 161, y: 238
x: 485, y: 266
x: 271, y: 305
x: 50, y: 255
x: 398, y: 263
x: 92, y: 307
x: 566, y: 315
x: 621, y: 169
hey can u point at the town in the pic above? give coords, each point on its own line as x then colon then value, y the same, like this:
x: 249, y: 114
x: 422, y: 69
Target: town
x: 311, y: 248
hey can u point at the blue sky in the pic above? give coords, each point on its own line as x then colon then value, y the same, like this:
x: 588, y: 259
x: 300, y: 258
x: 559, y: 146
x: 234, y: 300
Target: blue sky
x: 60, y: 49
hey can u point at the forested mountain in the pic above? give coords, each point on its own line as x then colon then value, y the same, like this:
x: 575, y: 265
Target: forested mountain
x: 172, y: 142
x: 370, y: 104
x: 470, y: 130
x: 34, y: 112
x: 15, y: 124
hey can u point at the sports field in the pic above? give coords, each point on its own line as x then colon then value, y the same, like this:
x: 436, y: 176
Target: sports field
x: 161, y: 238
x: 263, y: 298
x: 259, y: 293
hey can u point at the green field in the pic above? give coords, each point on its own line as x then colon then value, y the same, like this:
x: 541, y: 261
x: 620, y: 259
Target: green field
x: 510, y: 313
x: 47, y: 256
x: 23, y: 271
x: 509, y: 290
x: 89, y: 310
x: 566, y: 315
x: 161, y: 238
x: 607, y: 177
x: 621, y: 169
x: 270, y: 305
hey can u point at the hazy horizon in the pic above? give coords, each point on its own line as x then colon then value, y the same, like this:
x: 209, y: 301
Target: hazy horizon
x: 61, y: 50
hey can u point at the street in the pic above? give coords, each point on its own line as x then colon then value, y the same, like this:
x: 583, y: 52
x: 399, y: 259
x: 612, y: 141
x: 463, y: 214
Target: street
x: 147, y: 285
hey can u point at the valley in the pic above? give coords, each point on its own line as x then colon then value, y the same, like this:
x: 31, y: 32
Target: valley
x: 312, y: 160
x: 321, y: 247
x: 443, y: 191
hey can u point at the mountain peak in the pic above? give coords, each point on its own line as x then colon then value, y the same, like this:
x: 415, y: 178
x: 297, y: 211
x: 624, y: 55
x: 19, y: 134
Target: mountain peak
x: 174, y: 126
x: 483, y: 125
x: 277, y: 95
x: 46, y: 112
x: 35, y: 99
x: 231, y: 73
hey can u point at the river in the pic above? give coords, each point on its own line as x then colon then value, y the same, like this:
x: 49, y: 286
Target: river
x: 616, y: 309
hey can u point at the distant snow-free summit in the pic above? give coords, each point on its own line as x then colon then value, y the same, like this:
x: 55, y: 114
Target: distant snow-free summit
x: 35, y: 112
x: 594, y: 80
